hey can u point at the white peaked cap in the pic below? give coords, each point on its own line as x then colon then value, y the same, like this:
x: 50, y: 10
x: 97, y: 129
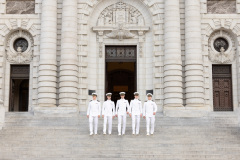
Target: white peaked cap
x: 108, y: 94
x: 149, y: 94
x: 94, y: 94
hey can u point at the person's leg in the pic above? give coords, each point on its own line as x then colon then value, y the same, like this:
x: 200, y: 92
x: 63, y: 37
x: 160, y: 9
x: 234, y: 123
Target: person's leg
x: 138, y: 124
x: 105, y: 125
x: 133, y: 124
x: 91, y: 124
x: 119, y: 124
x: 152, y: 124
x: 124, y: 123
x: 109, y: 124
x: 95, y: 124
x: 148, y: 124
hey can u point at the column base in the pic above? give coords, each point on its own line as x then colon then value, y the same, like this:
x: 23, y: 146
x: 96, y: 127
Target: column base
x: 2, y: 116
x: 185, y: 111
x: 56, y: 111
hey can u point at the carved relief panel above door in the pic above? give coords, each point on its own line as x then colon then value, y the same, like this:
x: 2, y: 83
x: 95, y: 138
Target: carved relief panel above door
x: 121, y: 21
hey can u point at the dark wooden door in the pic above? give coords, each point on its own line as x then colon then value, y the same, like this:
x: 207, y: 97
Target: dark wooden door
x: 222, y: 88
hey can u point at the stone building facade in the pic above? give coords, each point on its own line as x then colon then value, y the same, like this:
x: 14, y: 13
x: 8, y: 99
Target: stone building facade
x: 55, y: 53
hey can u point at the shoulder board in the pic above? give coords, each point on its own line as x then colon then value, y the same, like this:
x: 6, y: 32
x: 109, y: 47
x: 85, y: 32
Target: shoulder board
x: 98, y: 100
x: 90, y: 101
x: 145, y: 101
x: 153, y: 100
x: 139, y: 100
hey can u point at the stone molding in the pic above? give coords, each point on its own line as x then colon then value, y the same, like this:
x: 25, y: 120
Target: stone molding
x: 19, y: 57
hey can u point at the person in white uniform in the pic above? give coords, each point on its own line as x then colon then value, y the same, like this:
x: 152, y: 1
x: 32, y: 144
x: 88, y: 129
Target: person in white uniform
x: 108, y: 113
x: 149, y: 112
x: 93, y: 113
x: 135, y: 112
x: 122, y: 108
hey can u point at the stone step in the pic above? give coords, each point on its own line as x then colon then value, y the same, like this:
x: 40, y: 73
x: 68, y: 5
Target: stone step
x: 25, y: 136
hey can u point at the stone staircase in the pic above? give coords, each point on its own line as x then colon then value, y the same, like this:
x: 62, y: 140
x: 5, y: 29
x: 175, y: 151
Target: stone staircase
x: 29, y: 137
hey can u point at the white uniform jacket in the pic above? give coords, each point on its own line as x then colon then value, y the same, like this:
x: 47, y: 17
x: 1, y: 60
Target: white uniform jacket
x: 135, y: 107
x: 148, y: 108
x: 108, y: 108
x: 122, y: 107
x: 94, y: 108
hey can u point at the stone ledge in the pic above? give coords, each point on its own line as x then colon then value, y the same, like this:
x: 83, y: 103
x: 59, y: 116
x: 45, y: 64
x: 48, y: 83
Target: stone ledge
x: 184, y: 112
x: 56, y: 111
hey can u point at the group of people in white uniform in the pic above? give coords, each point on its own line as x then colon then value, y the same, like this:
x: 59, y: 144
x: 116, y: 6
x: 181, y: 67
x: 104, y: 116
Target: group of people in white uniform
x: 135, y: 110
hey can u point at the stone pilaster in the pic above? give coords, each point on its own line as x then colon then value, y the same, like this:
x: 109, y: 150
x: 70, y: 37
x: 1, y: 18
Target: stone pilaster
x: 68, y: 82
x: 173, y: 96
x: 47, y: 79
x: 193, y: 54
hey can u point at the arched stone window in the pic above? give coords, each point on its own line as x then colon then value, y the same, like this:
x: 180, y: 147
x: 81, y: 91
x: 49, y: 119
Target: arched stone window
x: 20, y: 6
x: 221, y: 6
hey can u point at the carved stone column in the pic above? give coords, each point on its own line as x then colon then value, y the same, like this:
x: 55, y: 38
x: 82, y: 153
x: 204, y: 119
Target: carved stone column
x: 173, y: 90
x: 48, y: 65
x: 193, y: 54
x: 68, y: 85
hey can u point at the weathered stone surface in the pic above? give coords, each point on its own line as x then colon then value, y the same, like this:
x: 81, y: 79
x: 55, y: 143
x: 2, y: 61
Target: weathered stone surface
x: 221, y: 6
x: 20, y: 7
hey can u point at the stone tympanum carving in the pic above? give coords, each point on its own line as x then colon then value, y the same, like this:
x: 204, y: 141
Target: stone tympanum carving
x: 120, y: 13
x: 121, y: 21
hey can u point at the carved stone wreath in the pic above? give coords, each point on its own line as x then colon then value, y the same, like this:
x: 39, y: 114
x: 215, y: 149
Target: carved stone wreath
x: 221, y: 47
x: 19, y: 47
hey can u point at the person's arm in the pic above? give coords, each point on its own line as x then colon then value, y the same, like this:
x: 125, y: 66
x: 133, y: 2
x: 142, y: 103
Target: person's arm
x: 128, y: 107
x: 144, y: 110
x: 103, y: 109
x: 89, y: 108
x: 113, y: 109
x: 140, y: 109
x: 99, y: 109
x: 155, y: 108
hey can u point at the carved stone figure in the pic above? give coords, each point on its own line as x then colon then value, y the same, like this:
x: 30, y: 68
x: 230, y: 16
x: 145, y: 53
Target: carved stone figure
x: 19, y: 47
x: 120, y: 33
x: 221, y: 47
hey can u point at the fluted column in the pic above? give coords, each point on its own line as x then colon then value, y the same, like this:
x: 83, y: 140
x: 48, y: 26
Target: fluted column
x: 193, y: 54
x: 173, y: 96
x: 48, y: 65
x: 68, y: 92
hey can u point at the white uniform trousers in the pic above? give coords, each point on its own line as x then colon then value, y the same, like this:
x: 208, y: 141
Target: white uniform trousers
x: 107, y: 119
x: 120, y: 119
x: 95, y: 120
x: 152, y: 121
x: 135, y: 124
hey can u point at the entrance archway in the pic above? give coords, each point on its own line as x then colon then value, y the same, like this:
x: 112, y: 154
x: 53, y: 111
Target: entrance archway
x: 19, y: 88
x: 121, y: 71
